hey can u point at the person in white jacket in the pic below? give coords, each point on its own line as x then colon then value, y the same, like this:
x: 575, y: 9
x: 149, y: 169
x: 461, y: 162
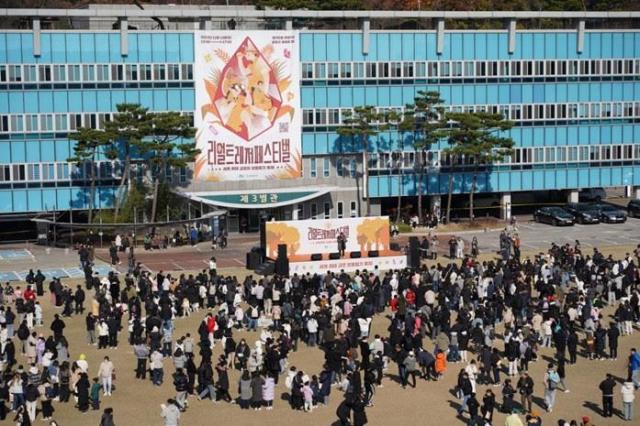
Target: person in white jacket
x: 106, y: 375
x: 628, y: 397
x: 170, y: 413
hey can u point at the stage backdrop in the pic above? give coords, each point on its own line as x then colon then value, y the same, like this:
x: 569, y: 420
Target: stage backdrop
x: 306, y: 237
x: 247, y: 116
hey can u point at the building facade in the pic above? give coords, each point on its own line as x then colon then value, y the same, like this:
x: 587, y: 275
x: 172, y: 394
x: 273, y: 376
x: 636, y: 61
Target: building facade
x: 573, y: 94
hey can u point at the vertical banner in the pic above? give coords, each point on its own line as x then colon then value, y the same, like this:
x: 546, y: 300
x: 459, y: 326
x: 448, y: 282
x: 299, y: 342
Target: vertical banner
x: 247, y: 116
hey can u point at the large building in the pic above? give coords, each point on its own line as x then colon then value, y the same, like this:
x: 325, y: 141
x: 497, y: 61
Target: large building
x: 573, y: 93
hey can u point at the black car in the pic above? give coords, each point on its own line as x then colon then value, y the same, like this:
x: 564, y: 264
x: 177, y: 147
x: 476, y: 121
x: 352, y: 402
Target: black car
x: 583, y: 212
x: 609, y: 213
x: 554, y: 215
x: 633, y: 208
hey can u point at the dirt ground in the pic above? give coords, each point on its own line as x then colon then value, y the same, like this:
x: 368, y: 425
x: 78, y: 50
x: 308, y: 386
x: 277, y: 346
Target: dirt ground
x: 137, y: 402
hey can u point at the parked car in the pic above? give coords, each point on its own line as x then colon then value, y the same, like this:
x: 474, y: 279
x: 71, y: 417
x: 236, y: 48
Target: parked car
x: 633, y: 208
x: 556, y: 216
x: 592, y: 194
x: 609, y: 213
x: 583, y: 213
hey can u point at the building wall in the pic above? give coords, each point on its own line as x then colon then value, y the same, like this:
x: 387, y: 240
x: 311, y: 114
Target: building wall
x: 575, y: 127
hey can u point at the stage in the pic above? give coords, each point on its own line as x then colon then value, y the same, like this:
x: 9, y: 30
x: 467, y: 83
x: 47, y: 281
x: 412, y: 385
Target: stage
x: 348, y: 265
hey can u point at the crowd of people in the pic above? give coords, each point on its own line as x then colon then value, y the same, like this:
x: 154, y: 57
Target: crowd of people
x: 491, y: 319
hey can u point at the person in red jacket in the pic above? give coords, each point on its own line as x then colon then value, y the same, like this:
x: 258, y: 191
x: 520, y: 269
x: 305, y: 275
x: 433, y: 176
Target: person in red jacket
x: 394, y: 303
x: 211, y: 326
x: 29, y: 294
x: 410, y: 297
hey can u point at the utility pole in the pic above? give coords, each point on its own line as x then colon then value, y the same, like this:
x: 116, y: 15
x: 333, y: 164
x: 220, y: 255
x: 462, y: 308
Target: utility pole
x: 71, y: 227
x: 135, y: 222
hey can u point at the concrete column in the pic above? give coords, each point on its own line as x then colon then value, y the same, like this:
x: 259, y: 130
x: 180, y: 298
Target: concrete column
x: 580, y: 37
x: 366, y: 26
x: 440, y: 37
x: 36, y: 37
x: 573, y: 196
x: 294, y: 213
x: 288, y: 25
x: 505, y: 206
x: 124, y: 36
x: 636, y: 192
x: 512, y: 36
x: 436, y: 203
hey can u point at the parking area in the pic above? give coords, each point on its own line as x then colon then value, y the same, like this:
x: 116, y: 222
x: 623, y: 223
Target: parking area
x: 538, y: 236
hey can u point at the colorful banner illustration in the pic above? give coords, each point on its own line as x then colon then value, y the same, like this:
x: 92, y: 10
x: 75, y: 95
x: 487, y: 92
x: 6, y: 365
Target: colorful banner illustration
x: 248, y: 116
x: 306, y: 237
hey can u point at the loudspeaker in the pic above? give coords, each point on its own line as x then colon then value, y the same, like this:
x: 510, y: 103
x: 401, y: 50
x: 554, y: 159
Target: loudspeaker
x: 263, y: 235
x: 413, y: 257
x: 282, y: 266
x: 282, y: 251
x: 253, y: 259
x: 394, y: 247
x: 373, y: 253
x: 355, y: 255
x: 316, y: 256
x: 266, y: 268
x: 334, y: 256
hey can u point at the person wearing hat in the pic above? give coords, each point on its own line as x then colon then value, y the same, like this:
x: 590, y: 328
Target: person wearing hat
x: 82, y: 363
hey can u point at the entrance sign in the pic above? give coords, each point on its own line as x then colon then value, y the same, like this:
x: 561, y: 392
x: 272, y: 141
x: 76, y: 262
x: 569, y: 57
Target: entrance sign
x: 247, y: 116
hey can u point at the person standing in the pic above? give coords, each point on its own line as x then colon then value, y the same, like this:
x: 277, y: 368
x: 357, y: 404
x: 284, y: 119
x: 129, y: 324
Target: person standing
x: 105, y: 372
x: 613, y: 333
x: 141, y: 352
x: 551, y: 380
x: 107, y: 417
x: 634, y: 367
x: 82, y: 392
x: 488, y: 405
x: 466, y: 390
x: 628, y: 397
x: 342, y: 244
x: 606, y: 386
x: 170, y: 413
x: 181, y: 384
x: 525, y: 389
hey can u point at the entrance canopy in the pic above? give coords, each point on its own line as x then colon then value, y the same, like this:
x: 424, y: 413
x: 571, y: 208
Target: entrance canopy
x: 263, y: 198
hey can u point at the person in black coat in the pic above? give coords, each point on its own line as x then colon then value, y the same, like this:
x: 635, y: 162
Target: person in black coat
x: 223, y: 380
x: 613, y: 333
x: 39, y: 280
x: 606, y: 386
x: 488, y: 405
x: 359, y: 415
x: 473, y: 405
x: 344, y: 413
x: 79, y: 298
x: 572, y: 346
x: 82, y: 392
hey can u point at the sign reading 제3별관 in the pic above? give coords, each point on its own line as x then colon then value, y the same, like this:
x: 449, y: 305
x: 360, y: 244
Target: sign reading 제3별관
x: 247, y: 116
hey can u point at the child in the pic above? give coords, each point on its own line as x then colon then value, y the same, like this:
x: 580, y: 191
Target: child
x: 307, y: 392
x: 94, y: 395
